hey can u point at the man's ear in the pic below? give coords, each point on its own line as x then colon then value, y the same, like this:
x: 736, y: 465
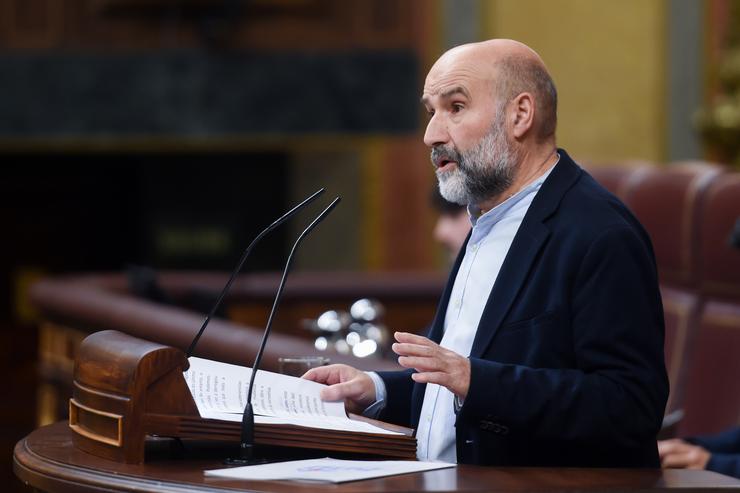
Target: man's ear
x: 523, y: 108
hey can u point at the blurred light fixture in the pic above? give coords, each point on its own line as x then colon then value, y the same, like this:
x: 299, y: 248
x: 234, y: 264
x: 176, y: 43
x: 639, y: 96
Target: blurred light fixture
x: 359, y: 331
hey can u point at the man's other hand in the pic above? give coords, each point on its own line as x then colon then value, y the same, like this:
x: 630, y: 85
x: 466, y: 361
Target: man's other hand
x: 353, y: 386
x: 676, y: 453
x: 433, y: 363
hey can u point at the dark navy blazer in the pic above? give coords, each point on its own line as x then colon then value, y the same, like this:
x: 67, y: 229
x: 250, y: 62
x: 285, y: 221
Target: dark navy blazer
x: 567, y: 363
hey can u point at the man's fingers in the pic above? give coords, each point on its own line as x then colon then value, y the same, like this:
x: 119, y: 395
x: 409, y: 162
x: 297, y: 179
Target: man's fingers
x: 315, y: 374
x: 668, y: 447
x: 348, y: 390
x: 330, y: 374
x: 677, y: 453
x: 433, y: 363
x: 438, y: 377
x: 407, y: 349
x: 345, y: 383
x: 420, y: 363
x: 677, y: 460
x: 413, y: 339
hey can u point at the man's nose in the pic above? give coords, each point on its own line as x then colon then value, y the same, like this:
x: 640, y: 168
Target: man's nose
x: 436, y: 132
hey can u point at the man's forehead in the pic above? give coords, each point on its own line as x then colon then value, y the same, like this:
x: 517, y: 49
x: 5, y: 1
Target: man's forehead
x: 463, y: 80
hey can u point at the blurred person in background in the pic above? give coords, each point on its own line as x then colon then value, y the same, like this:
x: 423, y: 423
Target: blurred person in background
x: 452, y: 226
x: 719, y: 453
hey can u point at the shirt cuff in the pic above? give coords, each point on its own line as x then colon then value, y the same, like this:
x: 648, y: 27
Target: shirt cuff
x: 374, y: 409
x: 458, y: 403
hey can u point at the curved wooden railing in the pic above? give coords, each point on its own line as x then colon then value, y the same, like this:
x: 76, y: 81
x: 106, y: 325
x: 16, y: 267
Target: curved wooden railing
x: 103, y: 301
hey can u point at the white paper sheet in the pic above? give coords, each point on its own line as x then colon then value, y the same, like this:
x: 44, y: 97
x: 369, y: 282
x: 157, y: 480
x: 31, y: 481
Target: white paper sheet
x: 326, y: 470
x: 220, y: 389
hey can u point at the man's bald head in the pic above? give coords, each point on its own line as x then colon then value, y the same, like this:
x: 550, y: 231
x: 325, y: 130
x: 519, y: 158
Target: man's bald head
x: 492, y: 116
x: 513, y: 68
x: 518, y: 75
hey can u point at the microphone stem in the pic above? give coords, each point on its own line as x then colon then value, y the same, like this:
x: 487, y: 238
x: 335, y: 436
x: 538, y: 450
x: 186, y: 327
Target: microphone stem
x: 243, y: 259
x: 248, y: 417
x: 279, y: 294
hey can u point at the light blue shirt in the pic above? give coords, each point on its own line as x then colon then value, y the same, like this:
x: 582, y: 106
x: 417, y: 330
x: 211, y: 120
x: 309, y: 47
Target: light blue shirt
x: 490, y: 239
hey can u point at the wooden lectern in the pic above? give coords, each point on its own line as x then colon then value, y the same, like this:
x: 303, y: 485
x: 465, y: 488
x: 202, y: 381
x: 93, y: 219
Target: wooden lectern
x: 126, y: 389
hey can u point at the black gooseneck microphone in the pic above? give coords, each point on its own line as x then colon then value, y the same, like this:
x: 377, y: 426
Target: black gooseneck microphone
x: 239, y: 266
x: 246, y: 447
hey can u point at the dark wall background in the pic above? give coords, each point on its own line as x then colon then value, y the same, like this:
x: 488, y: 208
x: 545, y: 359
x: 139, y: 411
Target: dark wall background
x: 72, y: 212
x: 197, y: 93
x: 154, y: 133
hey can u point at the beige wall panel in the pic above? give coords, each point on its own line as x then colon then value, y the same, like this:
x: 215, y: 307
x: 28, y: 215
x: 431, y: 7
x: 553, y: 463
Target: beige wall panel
x: 608, y: 61
x: 335, y: 243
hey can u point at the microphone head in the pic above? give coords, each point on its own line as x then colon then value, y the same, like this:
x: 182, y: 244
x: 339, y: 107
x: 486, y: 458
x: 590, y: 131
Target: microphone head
x: 321, y: 216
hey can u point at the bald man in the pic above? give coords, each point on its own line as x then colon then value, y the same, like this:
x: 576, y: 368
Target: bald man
x: 547, y: 347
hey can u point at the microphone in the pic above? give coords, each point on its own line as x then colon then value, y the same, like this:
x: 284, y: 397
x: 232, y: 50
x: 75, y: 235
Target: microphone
x: 239, y: 266
x: 246, y: 447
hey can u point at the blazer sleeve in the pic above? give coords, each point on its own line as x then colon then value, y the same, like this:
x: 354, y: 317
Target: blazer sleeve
x: 617, y: 387
x: 726, y: 442
x: 728, y: 464
x: 397, y: 384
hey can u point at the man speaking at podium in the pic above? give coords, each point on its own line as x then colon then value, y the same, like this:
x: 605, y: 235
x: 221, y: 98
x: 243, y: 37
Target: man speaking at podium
x: 547, y: 346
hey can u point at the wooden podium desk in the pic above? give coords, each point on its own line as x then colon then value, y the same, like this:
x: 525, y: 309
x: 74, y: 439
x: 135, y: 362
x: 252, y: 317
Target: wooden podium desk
x: 47, y: 461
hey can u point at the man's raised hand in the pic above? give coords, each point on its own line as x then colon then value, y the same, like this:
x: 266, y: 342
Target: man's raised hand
x: 433, y: 363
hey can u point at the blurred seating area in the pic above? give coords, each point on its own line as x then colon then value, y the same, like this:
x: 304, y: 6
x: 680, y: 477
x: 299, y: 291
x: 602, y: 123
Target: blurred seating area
x: 691, y: 211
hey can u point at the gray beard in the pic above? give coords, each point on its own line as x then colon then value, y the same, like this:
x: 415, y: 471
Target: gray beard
x: 482, y: 172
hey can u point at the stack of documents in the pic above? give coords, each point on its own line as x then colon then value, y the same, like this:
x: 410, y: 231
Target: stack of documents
x: 288, y: 411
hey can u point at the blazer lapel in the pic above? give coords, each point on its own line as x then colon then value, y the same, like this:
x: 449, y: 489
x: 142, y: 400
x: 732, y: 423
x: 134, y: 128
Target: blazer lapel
x: 526, y: 245
x: 528, y: 242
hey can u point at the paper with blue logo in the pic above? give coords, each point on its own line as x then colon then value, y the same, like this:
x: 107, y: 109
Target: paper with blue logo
x: 326, y: 470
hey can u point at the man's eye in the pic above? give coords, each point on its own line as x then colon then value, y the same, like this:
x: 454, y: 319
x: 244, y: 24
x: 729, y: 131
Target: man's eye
x: 456, y: 108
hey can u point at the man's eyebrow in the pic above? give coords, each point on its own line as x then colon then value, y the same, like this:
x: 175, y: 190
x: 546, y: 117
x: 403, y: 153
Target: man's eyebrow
x: 448, y: 94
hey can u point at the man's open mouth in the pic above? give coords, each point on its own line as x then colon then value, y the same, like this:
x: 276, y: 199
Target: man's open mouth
x: 445, y: 164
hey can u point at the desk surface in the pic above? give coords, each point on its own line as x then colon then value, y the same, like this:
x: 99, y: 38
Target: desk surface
x: 47, y: 461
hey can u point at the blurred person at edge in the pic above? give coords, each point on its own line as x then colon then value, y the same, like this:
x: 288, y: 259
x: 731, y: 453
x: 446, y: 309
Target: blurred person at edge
x: 452, y: 225
x: 719, y: 453
x: 547, y: 349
